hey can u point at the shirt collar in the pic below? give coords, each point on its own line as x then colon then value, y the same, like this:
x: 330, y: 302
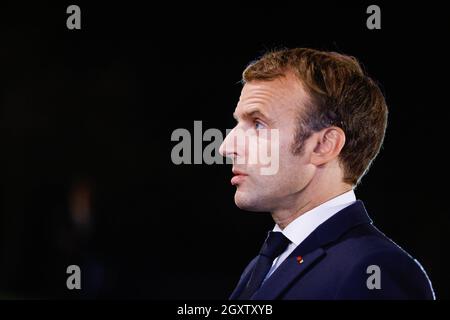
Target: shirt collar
x: 304, y: 225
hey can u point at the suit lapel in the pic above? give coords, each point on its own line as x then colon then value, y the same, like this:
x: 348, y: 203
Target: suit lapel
x: 311, y: 250
x: 286, y: 273
x: 243, y: 280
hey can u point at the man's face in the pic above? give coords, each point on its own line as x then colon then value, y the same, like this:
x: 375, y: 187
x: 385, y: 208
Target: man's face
x: 263, y: 106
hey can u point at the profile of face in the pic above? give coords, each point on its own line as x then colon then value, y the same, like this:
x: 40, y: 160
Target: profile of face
x: 268, y: 105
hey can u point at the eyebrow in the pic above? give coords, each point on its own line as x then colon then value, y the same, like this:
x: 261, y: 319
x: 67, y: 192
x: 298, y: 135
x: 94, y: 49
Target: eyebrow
x: 252, y: 112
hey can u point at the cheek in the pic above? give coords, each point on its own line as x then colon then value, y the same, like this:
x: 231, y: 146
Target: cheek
x: 287, y: 159
x: 293, y: 169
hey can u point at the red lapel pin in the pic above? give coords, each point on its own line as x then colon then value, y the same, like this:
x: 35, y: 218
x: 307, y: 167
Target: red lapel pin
x: 300, y: 259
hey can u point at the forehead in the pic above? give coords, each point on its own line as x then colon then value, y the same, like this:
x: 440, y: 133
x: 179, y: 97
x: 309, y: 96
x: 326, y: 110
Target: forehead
x: 285, y: 94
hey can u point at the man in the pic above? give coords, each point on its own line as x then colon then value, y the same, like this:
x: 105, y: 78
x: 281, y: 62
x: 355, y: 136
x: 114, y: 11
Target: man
x: 330, y: 119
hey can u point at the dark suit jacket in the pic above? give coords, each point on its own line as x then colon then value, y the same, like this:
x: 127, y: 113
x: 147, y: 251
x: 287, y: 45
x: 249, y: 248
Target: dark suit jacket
x: 336, y: 257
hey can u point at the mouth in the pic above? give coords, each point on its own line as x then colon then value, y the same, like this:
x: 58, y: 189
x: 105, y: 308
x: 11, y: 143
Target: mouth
x: 238, y: 177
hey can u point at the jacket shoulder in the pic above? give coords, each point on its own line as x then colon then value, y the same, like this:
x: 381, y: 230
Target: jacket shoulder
x: 377, y: 268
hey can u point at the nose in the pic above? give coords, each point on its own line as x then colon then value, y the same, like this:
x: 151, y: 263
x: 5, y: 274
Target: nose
x: 228, y: 147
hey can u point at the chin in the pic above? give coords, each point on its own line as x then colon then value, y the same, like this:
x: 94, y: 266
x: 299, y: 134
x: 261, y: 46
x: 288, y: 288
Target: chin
x: 247, y: 201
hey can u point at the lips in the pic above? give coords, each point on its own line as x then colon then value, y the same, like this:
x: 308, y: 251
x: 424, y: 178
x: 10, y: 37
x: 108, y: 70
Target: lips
x: 238, y: 177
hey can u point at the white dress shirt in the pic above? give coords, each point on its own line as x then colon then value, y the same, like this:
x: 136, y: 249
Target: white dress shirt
x: 304, y: 225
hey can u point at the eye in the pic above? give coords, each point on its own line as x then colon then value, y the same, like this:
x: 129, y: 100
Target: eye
x: 259, y: 125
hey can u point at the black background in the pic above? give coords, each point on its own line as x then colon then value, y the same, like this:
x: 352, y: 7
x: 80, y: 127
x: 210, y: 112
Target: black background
x: 99, y: 105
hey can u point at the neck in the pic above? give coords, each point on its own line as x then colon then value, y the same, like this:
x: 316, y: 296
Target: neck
x: 305, y: 200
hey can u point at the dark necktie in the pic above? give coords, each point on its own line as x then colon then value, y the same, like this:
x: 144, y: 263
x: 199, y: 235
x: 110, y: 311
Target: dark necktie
x: 274, y: 245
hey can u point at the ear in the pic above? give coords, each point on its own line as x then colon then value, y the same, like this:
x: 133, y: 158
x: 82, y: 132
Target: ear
x: 328, y: 144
